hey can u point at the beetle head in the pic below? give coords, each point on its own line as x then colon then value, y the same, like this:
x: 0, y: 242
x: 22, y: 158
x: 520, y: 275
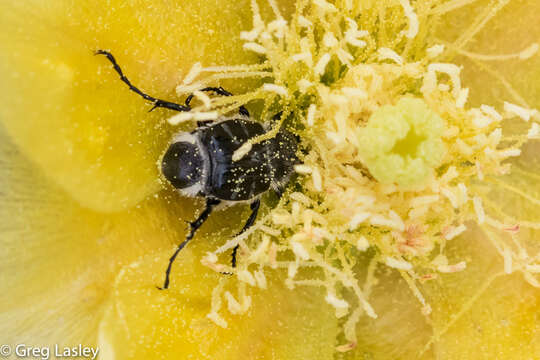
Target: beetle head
x: 182, y: 164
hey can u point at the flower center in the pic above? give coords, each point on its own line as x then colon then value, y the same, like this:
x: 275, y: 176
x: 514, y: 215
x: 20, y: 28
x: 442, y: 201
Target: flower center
x: 408, y: 146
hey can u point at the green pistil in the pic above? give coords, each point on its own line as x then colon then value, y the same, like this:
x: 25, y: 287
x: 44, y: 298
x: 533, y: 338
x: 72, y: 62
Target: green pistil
x: 402, y: 143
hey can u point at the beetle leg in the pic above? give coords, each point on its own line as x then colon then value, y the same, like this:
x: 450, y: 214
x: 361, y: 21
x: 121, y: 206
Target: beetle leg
x: 249, y: 223
x: 195, y: 225
x: 277, y: 116
x: 204, y: 122
x: 188, y: 101
x: 233, y: 256
x: 157, y: 102
x: 218, y: 90
x: 221, y: 91
x: 187, y: 104
x: 243, y: 111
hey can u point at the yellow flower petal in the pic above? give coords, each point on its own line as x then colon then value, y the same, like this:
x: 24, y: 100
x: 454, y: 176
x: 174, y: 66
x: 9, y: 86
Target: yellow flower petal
x: 144, y: 322
x: 509, y: 28
x: 59, y: 260
x: 483, y: 313
x: 67, y: 109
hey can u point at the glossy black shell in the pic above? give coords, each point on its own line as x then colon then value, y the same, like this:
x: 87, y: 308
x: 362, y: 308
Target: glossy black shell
x: 267, y: 164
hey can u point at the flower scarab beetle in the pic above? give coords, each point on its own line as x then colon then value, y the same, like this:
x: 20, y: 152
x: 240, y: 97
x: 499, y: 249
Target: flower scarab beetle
x: 200, y: 163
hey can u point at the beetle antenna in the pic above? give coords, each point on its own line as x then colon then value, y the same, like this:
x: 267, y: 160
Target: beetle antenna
x: 157, y: 102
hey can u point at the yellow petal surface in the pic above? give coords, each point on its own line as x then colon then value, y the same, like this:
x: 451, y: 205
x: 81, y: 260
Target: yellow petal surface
x: 144, y: 322
x: 79, y: 143
x: 67, y: 109
x: 58, y: 259
x: 483, y: 313
x: 68, y: 269
x: 480, y: 313
x: 509, y: 27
